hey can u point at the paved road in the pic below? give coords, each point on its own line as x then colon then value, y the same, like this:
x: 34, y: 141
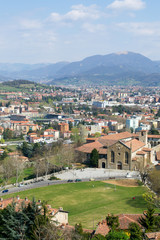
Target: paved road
x: 84, y: 175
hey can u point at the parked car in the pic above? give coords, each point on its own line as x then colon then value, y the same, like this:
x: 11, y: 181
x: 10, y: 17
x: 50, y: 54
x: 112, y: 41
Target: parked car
x: 91, y: 179
x: 70, y: 180
x: 78, y: 180
x: 4, y: 191
x: 20, y: 185
x: 128, y: 175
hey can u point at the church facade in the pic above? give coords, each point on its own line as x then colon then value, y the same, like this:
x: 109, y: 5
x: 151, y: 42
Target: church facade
x: 121, y: 151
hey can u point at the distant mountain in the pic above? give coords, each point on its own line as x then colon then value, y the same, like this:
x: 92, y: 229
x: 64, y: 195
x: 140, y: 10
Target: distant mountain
x: 125, y: 61
x: 35, y: 72
x: 125, y: 68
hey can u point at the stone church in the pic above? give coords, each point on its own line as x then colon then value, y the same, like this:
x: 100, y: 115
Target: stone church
x: 121, y: 151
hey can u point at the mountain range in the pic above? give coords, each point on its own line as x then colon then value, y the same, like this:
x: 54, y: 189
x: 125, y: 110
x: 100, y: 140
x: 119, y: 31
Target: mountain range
x: 124, y: 68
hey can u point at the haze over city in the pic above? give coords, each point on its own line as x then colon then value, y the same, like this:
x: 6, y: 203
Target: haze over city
x: 51, y: 31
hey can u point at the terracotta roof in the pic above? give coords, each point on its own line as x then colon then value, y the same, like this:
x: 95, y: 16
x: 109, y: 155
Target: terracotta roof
x: 118, y: 136
x: 32, y: 134
x: 87, y: 148
x: 135, y: 144
x: 153, y: 136
x: 13, y: 154
x: 153, y: 235
x: 102, y: 228
x: 19, y: 122
x: 50, y: 130
x: 5, y: 202
x: 49, y: 135
x: 93, y: 139
x: 107, y: 142
x: 140, y: 153
x: 146, y: 149
x: 124, y: 221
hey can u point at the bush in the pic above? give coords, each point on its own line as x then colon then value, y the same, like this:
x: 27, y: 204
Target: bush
x: 54, y: 178
x: 140, y: 183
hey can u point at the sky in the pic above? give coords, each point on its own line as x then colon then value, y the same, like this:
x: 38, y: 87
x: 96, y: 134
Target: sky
x: 50, y: 31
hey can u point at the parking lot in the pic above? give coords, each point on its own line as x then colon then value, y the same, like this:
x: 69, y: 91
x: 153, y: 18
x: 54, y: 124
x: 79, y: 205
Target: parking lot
x: 95, y: 173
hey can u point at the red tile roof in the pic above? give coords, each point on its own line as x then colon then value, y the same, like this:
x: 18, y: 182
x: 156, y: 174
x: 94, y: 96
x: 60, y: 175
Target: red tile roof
x: 153, y: 136
x: 118, y: 136
x: 134, y: 144
x: 124, y: 221
x: 87, y: 148
x: 153, y: 235
x: 140, y: 153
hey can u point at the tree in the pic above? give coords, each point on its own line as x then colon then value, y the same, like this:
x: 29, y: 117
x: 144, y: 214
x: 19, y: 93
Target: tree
x: 27, y: 149
x: 8, y: 169
x: 112, y: 222
x: 157, y: 223
x: 154, y: 181
x: 83, y: 133
x: 148, y: 221
x: 94, y: 158
x: 79, y: 229
x: 75, y: 134
x: 98, y: 237
x: 2, y: 141
x: 13, y: 222
x: 19, y: 166
x: 97, y: 135
x: 153, y: 131
x: 70, y: 126
x: 117, y: 236
x: 152, y: 199
x: 135, y: 231
x: 18, y: 223
x: 4, y: 155
x: 8, y: 134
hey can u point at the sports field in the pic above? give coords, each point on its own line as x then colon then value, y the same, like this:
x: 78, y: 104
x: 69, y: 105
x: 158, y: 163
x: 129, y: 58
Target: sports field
x: 90, y: 202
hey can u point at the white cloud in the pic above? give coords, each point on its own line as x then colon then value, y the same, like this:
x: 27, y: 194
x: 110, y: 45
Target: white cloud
x: 78, y: 12
x: 93, y: 27
x: 127, y: 5
x: 30, y: 24
x: 141, y: 28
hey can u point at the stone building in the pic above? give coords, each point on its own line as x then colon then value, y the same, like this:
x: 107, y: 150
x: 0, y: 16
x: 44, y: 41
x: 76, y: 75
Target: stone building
x: 121, y: 151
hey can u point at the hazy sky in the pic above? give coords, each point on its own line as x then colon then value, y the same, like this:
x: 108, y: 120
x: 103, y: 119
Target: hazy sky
x: 36, y: 31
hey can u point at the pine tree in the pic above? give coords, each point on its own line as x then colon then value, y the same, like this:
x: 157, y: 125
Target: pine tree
x: 113, y: 222
x: 135, y: 231
x: 148, y: 220
x: 94, y: 158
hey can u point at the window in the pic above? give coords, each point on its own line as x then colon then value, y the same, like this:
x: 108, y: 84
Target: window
x: 112, y: 156
x: 126, y: 158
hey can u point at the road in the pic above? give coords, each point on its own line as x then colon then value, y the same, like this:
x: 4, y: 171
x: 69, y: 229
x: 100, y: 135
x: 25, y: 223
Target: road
x: 85, y: 175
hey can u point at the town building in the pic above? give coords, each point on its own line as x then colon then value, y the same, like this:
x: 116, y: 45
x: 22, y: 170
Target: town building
x: 121, y: 151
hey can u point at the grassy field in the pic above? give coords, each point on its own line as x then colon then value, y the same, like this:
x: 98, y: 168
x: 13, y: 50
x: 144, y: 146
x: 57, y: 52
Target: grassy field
x: 90, y: 201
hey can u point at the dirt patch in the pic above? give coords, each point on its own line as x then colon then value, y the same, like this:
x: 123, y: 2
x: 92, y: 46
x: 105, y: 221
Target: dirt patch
x: 124, y: 182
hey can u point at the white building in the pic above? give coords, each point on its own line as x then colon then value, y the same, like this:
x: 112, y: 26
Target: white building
x: 132, y: 123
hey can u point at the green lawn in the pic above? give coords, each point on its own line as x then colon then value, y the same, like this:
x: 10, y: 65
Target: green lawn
x: 90, y: 201
x: 27, y: 173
